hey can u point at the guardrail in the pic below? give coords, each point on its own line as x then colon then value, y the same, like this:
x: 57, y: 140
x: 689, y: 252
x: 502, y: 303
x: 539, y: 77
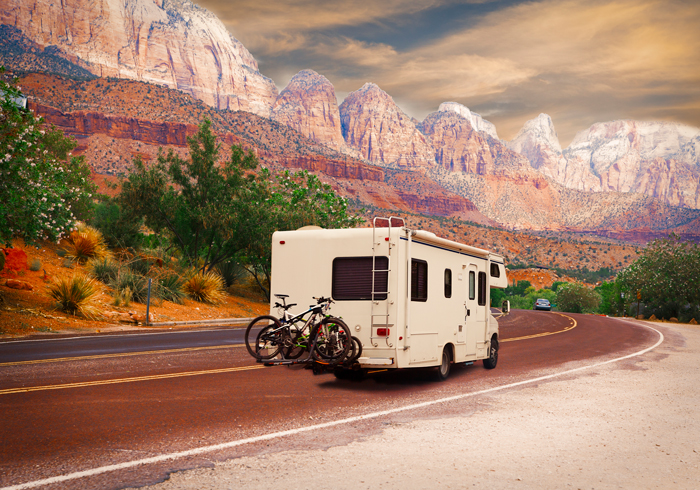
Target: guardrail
x: 218, y: 321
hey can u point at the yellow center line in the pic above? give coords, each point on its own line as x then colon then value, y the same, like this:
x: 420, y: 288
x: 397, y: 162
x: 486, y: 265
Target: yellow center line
x: 123, y: 354
x: 179, y: 375
x: 126, y: 380
x: 544, y: 334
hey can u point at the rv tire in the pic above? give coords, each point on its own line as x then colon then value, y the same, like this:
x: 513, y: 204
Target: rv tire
x: 443, y: 370
x: 492, y: 360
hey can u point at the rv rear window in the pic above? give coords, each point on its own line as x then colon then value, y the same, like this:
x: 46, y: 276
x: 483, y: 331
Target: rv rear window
x: 419, y: 280
x: 495, y: 271
x: 352, y: 278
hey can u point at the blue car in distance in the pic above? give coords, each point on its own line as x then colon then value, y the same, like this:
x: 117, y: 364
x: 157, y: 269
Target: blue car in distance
x: 542, y: 304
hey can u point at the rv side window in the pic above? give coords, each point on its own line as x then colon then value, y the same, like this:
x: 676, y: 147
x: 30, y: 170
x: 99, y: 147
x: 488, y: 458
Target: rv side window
x: 482, y: 288
x: 495, y: 271
x: 448, y: 283
x: 419, y: 280
x: 472, y: 285
x: 352, y: 278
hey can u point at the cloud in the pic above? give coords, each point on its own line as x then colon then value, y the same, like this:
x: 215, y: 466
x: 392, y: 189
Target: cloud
x: 581, y: 61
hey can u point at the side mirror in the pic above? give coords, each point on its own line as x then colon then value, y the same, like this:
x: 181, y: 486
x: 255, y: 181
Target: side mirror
x: 505, y: 307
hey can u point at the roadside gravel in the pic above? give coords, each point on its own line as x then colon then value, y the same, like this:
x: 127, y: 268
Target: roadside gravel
x: 631, y: 424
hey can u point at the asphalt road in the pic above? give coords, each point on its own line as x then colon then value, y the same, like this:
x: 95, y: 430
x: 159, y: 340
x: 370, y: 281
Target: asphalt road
x: 65, y: 416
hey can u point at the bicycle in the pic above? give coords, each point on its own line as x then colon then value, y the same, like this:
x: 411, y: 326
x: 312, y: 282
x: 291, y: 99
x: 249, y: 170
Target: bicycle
x: 327, y: 339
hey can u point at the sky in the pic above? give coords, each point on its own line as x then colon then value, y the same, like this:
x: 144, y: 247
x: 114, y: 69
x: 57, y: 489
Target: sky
x: 580, y: 61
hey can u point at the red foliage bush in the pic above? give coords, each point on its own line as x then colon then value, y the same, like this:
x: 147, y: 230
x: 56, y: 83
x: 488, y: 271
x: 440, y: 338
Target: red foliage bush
x: 15, y: 259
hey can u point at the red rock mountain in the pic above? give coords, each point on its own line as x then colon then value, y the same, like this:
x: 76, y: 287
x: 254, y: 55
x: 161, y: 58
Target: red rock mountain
x: 168, y: 42
x: 375, y: 126
x: 308, y: 105
x: 458, y: 147
x: 657, y: 159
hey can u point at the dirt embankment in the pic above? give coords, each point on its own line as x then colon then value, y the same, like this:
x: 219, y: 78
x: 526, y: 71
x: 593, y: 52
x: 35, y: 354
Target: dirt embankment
x: 30, y: 310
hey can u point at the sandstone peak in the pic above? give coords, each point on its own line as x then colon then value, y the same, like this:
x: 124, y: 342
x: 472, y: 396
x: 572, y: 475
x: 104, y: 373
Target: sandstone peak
x: 536, y: 131
x: 169, y: 42
x: 308, y: 104
x: 477, y: 122
x: 374, y: 125
x: 460, y: 147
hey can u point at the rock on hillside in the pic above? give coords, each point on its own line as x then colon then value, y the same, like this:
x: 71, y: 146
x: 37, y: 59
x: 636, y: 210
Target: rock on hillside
x: 169, y: 42
x: 459, y: 147
x: 374, y: 125
x: 308, y: 105
x: 474, y: 119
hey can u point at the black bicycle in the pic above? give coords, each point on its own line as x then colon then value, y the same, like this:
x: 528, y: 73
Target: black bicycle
x: 324, y: 338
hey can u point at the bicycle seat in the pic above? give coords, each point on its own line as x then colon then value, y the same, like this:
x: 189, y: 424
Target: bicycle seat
x: 282, y: 296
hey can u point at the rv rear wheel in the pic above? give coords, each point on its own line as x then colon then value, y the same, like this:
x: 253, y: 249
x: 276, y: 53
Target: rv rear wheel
x: 443, y: 370
x: 492, y: 360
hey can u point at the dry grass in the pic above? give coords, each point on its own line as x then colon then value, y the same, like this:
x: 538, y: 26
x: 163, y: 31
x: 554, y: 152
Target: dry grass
x: 205, y: 287
x: 75, y: 294
x: 86, y: 243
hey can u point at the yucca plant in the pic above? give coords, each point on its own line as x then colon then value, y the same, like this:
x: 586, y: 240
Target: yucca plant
x: 136, y: 283
x: 231, y: 272
x: 104, y: 270
x: 75, y: 294
x: 170, y: 287
x: 205, y: 287
x: 86, y: 243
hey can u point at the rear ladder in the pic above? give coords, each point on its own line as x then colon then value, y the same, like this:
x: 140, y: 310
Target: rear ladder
x: 380, y: 316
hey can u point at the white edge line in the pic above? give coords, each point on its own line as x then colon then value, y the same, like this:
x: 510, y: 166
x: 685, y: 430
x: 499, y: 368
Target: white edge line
x: 275, y: 435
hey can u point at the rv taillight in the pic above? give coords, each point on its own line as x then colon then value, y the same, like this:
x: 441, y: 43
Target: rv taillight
x: 386, y: 239
x: 383, y: 332
x: 281, y: 242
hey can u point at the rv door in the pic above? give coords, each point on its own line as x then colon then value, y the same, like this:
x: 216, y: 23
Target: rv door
x: 470, y: 309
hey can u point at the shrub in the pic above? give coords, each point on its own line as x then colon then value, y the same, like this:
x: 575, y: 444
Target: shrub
x: 206, y: 287
x: 86, y: 243
x: 134, y: 282
x: 104, y: 270
x: 231, y: 272
x: 140, y: 265
x: 74, y: 295
x: 35, y: 265
x: 170, y: 287
x: 123, y: 297
x: 577, y: 298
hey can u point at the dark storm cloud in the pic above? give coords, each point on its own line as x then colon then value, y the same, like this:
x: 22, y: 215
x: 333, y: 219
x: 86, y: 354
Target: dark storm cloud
x: 578, y: 61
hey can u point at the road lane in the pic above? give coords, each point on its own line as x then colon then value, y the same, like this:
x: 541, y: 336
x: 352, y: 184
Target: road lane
x: 99, y: 345
x: 84, y: 428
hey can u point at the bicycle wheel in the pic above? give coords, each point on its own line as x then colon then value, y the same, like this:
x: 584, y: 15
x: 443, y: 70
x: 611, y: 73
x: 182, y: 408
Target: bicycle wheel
x: 299, y: 345
x: 332, y: 340
x: 270, y: 324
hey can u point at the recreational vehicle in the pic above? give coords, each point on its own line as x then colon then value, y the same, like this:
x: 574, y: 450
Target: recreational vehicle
x: 411, y: 298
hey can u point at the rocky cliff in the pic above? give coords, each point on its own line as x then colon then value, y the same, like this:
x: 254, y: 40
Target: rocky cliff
x: 375, y: 126
x: 657, y: 159
x: 476, y: 121
x: 308, y: 105
x: 169, y: 42
x: 459, y: 147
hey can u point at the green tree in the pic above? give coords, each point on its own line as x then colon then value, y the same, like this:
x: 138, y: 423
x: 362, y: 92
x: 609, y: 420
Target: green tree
x: 577, y: 298
x: 667, y: 275
x: 195, y: 202
x: 43, y: 188
x: 215, y: 213
x: 285, y: 202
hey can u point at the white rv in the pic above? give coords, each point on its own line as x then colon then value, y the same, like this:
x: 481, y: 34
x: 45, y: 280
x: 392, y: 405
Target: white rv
x: 411, y: 298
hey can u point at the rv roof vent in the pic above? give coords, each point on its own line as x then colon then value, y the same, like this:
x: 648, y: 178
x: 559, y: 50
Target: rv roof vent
x: 309, y: 227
